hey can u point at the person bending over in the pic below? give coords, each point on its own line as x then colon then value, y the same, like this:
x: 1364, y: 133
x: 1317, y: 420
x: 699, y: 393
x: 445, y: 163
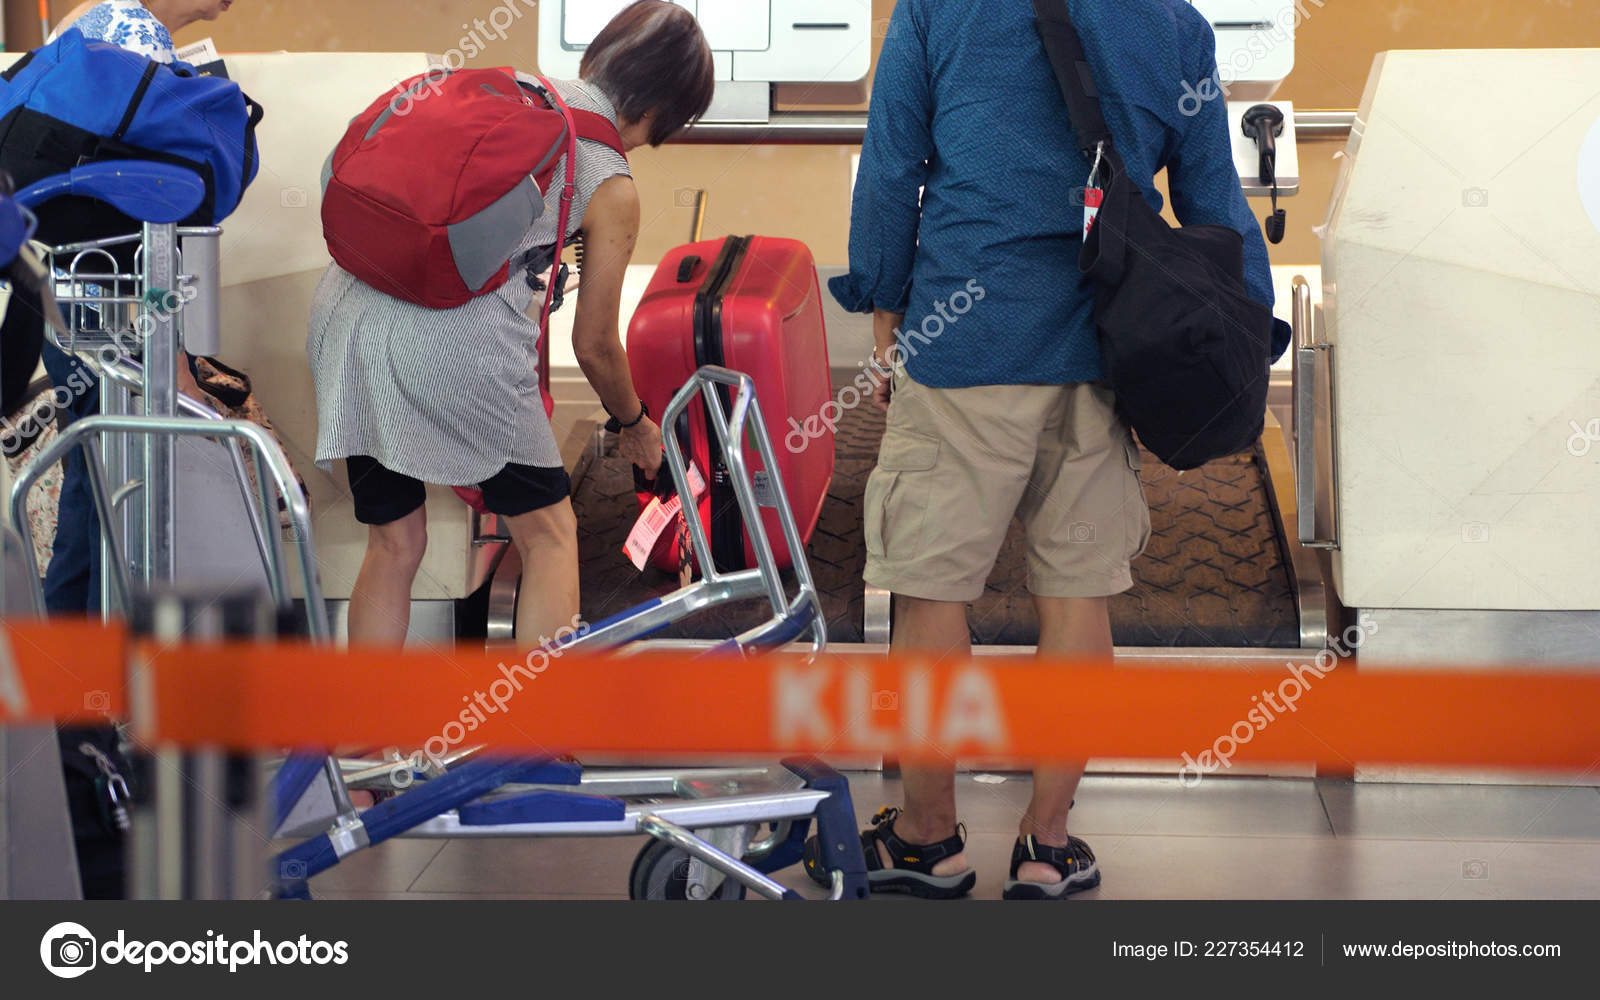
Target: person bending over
x: 408, y: 395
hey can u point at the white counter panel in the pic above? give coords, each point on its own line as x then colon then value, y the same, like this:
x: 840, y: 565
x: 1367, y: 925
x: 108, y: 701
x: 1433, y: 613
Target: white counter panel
x: 1461, y: 278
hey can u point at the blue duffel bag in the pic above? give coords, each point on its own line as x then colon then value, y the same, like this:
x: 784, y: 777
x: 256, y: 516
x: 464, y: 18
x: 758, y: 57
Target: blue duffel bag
x: 75, y: 101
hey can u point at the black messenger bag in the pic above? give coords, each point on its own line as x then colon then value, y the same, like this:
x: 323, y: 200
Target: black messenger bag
x: 1185, y: 348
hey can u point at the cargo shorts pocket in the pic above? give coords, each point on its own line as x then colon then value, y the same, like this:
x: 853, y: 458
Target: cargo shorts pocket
x: 1137, y: 509
x: 896, y: 500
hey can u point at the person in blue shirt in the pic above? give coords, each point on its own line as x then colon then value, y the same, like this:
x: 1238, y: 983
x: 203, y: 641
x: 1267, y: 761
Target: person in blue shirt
x: 964, y: 240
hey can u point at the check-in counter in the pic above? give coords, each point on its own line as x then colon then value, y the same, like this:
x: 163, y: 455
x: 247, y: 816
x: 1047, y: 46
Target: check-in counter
x: 1458, y: 279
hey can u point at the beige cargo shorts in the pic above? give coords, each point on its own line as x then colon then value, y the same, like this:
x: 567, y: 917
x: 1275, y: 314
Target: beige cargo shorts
x: 957, y: 464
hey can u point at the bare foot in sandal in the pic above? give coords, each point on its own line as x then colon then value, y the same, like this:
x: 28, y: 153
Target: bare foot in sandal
x: 895, y: 863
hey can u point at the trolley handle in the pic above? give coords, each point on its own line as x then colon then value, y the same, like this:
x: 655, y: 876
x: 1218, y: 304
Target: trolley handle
x: 157, y: 193
x: 791, y: 617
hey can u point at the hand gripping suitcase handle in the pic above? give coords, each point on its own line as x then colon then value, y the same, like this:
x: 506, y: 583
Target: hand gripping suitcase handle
x: 568, y: 191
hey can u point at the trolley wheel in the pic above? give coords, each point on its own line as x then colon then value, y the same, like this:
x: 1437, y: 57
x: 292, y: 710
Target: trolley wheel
x: 661, y: 871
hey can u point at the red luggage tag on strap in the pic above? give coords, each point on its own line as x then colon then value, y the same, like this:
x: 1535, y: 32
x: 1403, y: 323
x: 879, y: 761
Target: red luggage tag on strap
x: 658, y: 514
x: 1093, y: 196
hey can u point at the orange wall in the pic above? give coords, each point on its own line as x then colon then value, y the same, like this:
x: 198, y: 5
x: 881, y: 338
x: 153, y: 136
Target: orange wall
x: 804, y: 191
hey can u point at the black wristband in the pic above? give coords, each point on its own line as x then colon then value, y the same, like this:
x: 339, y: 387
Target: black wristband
x: 616, y: 426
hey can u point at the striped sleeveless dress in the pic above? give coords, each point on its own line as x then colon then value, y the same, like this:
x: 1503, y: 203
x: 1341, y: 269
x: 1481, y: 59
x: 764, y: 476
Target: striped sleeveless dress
x: 447, y: 396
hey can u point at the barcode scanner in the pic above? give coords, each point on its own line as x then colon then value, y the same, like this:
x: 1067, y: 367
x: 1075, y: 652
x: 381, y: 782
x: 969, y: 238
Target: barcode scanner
x: 1264, y: 123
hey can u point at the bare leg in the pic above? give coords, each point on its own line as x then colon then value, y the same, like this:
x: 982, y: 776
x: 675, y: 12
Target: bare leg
x: 939, y: 627
x: 380, y: 603
x: 1076, y: 626
x: 547, y: 540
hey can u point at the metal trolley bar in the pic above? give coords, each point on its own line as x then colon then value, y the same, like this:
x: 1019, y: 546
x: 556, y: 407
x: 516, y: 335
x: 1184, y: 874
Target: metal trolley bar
x: 726, y: 811
x: 260, y: 510
x: 790, y: 618
x: 82, y: 433
x: 806, y: 608
x: 713, y: 813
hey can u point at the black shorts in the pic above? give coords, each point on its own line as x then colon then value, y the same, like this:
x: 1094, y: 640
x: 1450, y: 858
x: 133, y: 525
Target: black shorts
x: 383, y: 496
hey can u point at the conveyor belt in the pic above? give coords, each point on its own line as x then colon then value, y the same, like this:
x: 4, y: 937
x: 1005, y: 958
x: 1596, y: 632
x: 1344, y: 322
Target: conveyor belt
x: 1214, y: 573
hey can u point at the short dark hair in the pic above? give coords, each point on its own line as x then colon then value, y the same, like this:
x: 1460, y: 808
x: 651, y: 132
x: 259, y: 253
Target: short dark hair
x: 653, y: 58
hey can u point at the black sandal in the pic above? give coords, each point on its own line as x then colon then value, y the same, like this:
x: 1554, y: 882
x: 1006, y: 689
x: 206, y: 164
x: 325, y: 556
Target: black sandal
x: 1075, y: 862
x: 912, y: 870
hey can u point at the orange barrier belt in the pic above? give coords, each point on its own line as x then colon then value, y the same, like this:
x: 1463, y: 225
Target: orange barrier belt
x: 256, y: 696
x: 67, y: 671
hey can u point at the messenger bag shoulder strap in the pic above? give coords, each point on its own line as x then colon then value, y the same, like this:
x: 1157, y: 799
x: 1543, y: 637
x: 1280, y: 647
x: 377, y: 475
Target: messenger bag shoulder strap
x: 1065, y: 49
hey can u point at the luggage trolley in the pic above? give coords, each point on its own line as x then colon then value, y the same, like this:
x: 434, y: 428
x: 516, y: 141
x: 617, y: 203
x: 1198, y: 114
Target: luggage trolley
x: 706, y: 844
x: 110, y: 312
x: 115, y: 298
x: 705, y: 824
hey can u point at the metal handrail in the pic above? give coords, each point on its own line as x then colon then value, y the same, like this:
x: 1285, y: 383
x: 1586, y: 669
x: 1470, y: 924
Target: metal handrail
x: 1307, y: 348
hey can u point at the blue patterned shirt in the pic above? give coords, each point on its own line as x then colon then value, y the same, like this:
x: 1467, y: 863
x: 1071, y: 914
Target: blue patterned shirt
x: 965, y: 109
x: 127, y: 24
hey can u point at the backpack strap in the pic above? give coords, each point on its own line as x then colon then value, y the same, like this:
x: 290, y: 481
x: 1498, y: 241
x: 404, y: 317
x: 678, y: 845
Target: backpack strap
x: 16, y: 68
x: 580, y: 125
x: 569, y: 191
x: 598, y: 128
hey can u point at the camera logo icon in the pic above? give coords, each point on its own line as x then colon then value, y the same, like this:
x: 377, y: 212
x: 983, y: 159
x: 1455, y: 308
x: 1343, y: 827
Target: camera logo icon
x: 97, y: 701
x: 293, y: 197
x: 1475, y: 869
x: 1081, y: 532
x: 1474, y: 198
x: 686, y: 197
x: 885, y: 701
x: 68, y: 950
x: 1475, y: 531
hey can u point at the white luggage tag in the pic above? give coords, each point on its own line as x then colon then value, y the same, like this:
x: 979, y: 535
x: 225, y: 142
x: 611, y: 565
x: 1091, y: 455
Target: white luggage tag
x: 655, y: 519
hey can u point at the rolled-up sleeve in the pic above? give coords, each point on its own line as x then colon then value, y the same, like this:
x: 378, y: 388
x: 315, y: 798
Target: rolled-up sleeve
x: 887, y: 208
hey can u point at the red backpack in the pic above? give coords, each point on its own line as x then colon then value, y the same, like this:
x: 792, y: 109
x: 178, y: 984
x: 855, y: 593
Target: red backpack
x: 436, y: 183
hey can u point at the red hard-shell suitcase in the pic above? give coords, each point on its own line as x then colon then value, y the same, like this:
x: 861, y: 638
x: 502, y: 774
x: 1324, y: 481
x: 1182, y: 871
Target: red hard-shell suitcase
x: 752, y: 304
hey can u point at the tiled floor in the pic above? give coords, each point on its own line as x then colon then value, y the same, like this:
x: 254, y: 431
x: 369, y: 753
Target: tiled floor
x: 1228, y: 838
